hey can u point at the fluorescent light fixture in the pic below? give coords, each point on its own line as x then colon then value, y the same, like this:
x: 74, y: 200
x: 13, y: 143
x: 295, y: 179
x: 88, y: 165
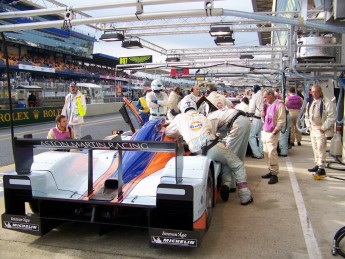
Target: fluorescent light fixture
x: 224, y: 41
x: 246, y: 56
x: 220, y: 31
x: 131, y: 44
x: 172, y: 59
x: 112, y: 36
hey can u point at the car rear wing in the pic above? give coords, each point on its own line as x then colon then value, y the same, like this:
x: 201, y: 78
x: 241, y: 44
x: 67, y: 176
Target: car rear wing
x: 24, y: 153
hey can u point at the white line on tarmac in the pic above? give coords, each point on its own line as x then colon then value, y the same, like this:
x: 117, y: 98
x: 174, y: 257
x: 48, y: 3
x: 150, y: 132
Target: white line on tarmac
x: 308, y: 232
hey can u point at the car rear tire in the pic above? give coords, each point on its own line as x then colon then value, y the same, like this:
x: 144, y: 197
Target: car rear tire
x: 209, y: 199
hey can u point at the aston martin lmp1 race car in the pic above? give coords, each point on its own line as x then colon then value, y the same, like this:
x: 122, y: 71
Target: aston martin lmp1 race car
x: 147, y: 180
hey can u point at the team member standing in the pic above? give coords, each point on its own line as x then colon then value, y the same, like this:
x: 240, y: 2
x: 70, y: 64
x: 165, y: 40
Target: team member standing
x: 74, y: 112
x: 293, y: 104
x: 275, y: 119
x: 196, y: 131
x: 61, y: 131
x: 256, y: 106
x: 143, y: 109
x: 173, y: 101
x: 157, y: 100
x: 320, y: 117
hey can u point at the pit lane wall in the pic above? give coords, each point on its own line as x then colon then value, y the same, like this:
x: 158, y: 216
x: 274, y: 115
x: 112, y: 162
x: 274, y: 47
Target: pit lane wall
x: 24, y: 116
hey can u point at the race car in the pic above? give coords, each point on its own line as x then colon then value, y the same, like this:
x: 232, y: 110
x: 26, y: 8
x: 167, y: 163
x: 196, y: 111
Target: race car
x: 146, y: 180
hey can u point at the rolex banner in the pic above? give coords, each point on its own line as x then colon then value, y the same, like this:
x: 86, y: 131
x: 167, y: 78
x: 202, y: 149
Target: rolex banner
x: 136, y: 60
x: 29, y: 115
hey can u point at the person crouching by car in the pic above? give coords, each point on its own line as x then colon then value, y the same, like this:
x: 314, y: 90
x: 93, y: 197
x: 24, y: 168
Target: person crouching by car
x: 61, y: 131
x: 196, y: 130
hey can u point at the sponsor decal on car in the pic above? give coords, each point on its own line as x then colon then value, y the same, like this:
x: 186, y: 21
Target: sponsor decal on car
x: 20, y: 223
x: 177, y: 238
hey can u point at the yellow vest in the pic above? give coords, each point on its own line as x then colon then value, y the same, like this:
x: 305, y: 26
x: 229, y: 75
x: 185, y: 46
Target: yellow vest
x: 144, y: 104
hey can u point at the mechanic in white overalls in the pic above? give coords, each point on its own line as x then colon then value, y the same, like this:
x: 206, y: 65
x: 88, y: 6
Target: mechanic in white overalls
x: 218, y: 100
x: 157, y: 100
x: 256, y: 107
x: 196, y: 130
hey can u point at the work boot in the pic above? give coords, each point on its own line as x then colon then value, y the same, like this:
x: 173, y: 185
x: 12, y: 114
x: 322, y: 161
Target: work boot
x: 314, y: 169
x: 292, y: 144
x: 299, y: 143
x: 273, y: 179
x: 267, y: 176
x: 224, y: 192
x: 321, y: 173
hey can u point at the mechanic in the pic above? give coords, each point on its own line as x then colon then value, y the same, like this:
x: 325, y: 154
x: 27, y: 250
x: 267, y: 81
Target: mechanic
x: 195, y: 93
x: 320, y: 116
x: 175, y: 97
x: 157, y: 100
x: 196, y: 130
x: 218, y: 100
x: 256, y: 105
x: 61, y: 131
x: 72, y: 111
x: 234, y: 125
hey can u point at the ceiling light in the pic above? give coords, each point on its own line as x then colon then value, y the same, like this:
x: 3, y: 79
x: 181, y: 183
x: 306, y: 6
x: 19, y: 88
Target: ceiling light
x: 246, y: 56
x: 172, y: 59
x: 220, y: 31
x: 224, y: 41
x: 112, y: 36
x: 131, y: 44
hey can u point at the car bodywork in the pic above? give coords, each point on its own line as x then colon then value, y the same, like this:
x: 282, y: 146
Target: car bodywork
x: 147, y: 181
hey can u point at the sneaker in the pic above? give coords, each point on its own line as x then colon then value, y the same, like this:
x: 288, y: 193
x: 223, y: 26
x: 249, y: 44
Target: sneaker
x: 292, y: 144
x: 266, y: 176
x: 247, y: 202
x: 299, y: 143
x: 282, y: 155
x: 224, y: 192
x: 273, y: 179
x: 314, y: 169
x: 321, y: 173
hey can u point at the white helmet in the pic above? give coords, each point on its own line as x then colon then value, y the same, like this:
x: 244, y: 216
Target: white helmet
x: 157, y: 85
x: 187, y: 103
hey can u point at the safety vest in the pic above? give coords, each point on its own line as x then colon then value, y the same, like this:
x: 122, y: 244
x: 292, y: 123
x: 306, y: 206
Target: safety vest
x: 294, y: 102
x: 269, y: 118
x: 144, y: 104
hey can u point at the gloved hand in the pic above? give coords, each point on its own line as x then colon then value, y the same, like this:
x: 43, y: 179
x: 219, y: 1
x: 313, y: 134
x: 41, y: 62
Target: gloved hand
x: 155, y: 101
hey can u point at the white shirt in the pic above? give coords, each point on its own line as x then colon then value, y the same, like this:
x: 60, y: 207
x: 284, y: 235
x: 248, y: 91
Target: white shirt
x: 195, y: 129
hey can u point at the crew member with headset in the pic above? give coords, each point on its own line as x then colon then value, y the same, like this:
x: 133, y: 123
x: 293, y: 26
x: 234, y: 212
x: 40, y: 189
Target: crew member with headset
x: 157, y: 100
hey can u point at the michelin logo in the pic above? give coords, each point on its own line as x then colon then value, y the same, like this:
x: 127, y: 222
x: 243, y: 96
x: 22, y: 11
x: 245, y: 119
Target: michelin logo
x: 173, y: 241
x: 21, y: 226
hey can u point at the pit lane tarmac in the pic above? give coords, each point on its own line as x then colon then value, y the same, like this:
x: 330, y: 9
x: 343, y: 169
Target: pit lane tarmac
x: 296, y: 218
